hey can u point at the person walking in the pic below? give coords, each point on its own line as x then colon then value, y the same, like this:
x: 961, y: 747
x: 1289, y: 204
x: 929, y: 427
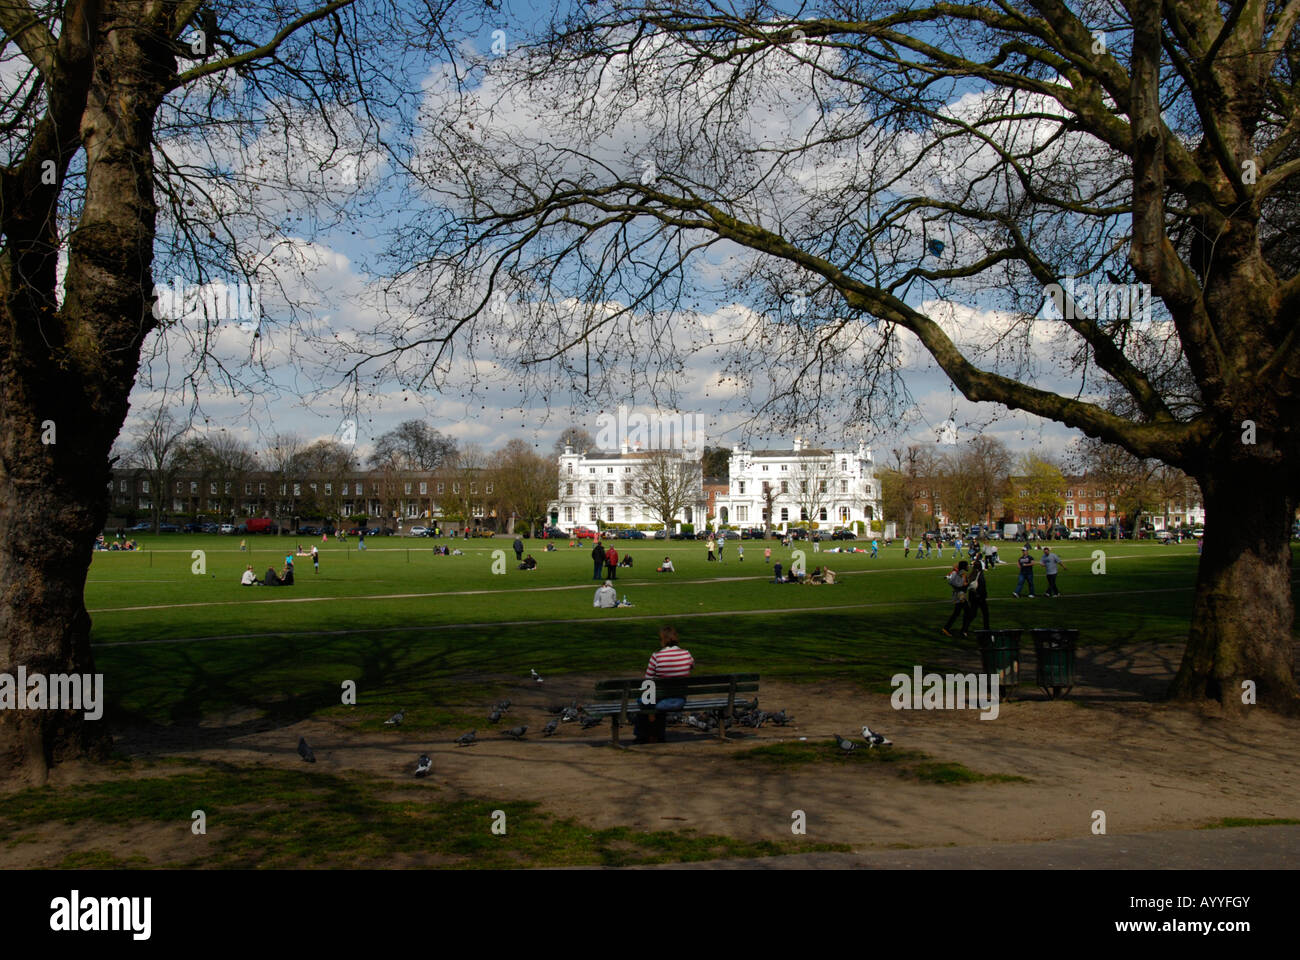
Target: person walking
x: 597, y: 559
x: 519, y: 549
x: 957, y: 580
x: 611, y: 563
x: 712, y: 546
x: 243, y: 545
x: 977, y: 598
x: 1051, y: 564
x: 907, y: 546
x: 1026, y: 566
x: 722, y: 545
x: 315, y: 557
x: 874, y: 546
x: 361, y: 540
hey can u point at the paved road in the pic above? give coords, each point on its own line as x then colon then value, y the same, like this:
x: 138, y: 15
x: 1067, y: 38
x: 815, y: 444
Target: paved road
x: 1238, y: 848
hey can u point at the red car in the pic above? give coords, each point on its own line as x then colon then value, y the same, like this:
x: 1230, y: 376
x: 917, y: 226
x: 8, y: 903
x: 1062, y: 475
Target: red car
x: 585, y: 533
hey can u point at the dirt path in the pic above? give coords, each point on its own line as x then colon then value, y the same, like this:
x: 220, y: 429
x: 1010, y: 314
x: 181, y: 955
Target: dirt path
x: 1148, y: 766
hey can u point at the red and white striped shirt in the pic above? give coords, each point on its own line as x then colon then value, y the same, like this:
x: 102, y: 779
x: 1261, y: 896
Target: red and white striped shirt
x: 670, y: 662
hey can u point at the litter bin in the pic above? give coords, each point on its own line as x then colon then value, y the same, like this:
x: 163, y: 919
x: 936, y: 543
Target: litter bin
x: 1000, y: 653
x: 1054, y: 653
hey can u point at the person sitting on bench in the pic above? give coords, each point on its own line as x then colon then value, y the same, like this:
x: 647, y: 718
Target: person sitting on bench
x: 668, y: 662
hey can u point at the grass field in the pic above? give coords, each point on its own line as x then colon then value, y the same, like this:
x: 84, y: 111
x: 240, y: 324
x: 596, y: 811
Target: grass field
x: 413, y: 628
x: 442, y: 636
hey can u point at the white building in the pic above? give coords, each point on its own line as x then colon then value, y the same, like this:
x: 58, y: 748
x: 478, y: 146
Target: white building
x: 601, y: 487
x: 829, y: 487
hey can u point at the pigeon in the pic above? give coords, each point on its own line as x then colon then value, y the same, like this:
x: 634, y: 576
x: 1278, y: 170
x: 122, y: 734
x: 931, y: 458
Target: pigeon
x: 780, y: 719
x: 535, y: 675
x: 396, y: 719
x: 494, y: 716
x: 516, y: 732
x: 549, y: 729
x: 875, y: 739
x: 424, y: 766
x: 589, y: 722
x: 848, y: 746
x: 304, y: 751
x: 503, y: 705
x: 465, y: 739
x: 570, y: 714
x: 556, y: 709
x: 696, y: 722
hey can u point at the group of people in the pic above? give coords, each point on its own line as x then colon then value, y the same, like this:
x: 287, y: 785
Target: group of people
x: 119, y: 544
x: 271, y: 579
x: 969, y: 584
x: 606, y: 559
x: 718, y: 544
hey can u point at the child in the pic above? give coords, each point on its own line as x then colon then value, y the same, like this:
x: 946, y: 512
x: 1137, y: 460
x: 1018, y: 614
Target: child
x: 740, y: 553
x: 315, y: 558
x: 767, y: 554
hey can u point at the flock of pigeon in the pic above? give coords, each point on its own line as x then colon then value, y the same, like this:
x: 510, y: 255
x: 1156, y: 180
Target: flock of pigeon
x: 754, y: 718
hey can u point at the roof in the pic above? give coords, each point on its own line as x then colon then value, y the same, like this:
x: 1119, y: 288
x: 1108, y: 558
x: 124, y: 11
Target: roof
x: 806, y: 452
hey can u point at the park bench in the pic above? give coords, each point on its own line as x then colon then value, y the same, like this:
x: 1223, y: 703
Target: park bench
x: 621, y: 699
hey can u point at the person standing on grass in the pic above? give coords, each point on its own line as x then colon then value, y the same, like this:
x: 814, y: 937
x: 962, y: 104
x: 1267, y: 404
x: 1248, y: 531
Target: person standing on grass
x: 957, y: 580
x: 315, y: 558
x: 1051, y: 564
x: 243, y: 545
x: 1026, y: 566
x: 722, y: 545
x: 874, y: 547
x: 712, y: 546
x: 977, y: 598
x: 597, y: 560
x: 740, y: 553
x: 519, y: 549
x: 767, y: 554
x: 361, y: 540
x: 907, y: 545
x: 611, y: 563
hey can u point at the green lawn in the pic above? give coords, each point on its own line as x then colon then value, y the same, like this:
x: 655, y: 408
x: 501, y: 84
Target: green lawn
x: 423, y: 631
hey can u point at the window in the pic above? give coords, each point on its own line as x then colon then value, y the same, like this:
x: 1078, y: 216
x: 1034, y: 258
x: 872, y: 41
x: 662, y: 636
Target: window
x: 570, y: 471
x: 925, y: 508
x: 803, y: 467
x: 283, y: 490
x: 297, y: 489
x: 742, y: 514
x: 785, y: 466
x: 1069, y: 509
x: 593, y: 515
x: 345, y: 489
x: 803, y: 486
x: 194, y: 486
x: 1099, y: 507
x: 227, y: 486
x: 785, y: 486
x: 568, y: 489
x: 822, y: 515
x: 591, y: 489
x: 765, y: 466
x: 844, y: 514
x: 406, y: 487
x: 627, y: 488
x: 568, y: 511
x: 609, y: 489
x: 742, y: 486
x: 627, y: 469
x: 785, y: 514
x: 488, y: 488
x: 178, y: 489
x: 609, y: 469
x: 473, y: 486
x: 248, y: 489
x: 144, y: 486
x: 261, y: 489
x: 803, y: 513
x: 121, y: 486
x: 844, y: 487
x: 177, y: 506
x: 822, y: 486
x: 424, y: 487
x: 329, y: 489
x: 212, y: 488
x: 1069, y: 494
x: 645, y: 486
x: 455, y: 488
x: 591, y: 469
x: 766, y: 486
x: 844, y: 464
x: 442, y: 487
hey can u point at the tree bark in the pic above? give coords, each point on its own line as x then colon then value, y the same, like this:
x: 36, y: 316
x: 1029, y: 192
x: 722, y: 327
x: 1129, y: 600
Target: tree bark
x: 1243, y: 609
x: 73, y: 365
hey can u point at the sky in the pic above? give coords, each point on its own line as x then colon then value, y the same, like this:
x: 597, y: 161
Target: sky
x: 269, y: 375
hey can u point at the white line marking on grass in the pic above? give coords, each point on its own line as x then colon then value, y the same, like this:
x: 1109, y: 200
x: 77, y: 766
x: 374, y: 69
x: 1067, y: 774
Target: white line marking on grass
x: 488, y: 624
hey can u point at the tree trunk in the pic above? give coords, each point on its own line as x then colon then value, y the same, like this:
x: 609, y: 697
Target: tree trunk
x: 1243, y: 610
x: 74, y: 365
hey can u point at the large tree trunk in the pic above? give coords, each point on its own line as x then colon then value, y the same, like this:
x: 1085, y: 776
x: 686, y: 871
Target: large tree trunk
x: 1243, y: 610
x: 73, y: 365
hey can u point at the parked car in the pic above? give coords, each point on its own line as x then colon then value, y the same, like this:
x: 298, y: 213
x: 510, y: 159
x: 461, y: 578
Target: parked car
x: 1198, y: 532
x: 227, y: 528
x: 418, y: 532
x: 144, y: 525
x: 631, y: 535
x: 683, y: 535
x: 168, y: 528
x: 550, y: 532
x: 1078, y: 533
x: 844, y: 535
x: 309, y: 531
x: 584, y: 533
x: 660, y: 535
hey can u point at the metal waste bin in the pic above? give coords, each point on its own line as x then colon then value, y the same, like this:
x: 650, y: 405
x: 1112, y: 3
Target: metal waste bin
x: 1000, y: 654
x: 1054, y: 652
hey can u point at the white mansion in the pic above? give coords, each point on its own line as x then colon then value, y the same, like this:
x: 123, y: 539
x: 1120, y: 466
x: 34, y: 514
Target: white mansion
x: 830, y: 487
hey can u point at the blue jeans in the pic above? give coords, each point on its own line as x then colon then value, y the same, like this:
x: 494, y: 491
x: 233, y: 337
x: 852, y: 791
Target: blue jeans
x: 1026, y: 577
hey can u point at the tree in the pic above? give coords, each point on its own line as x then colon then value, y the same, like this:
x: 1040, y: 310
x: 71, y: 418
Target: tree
x: 412, y: 445
x: 576, y: 437
x: 130, y: 132
x: 716, y: 462
x: 958, y: 487
x: 992, y: 154
x: 913, y: 469
x: 769, y: 495
x: 811, y: 490
x: 665, y: 483
x: 1038, y: 491
x: 987, y: 461
x: 324, y: 463
x: 1122, y: 478
x: 525, y: 483
x: 155, y: 451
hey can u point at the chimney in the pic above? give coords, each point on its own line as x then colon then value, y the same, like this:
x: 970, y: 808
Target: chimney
x: 623, y: 448
x: 798, y: 444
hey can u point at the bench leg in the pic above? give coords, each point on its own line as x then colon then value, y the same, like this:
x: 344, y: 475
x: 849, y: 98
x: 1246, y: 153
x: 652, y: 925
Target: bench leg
x: 722, y: 728
x: 613, y: 724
